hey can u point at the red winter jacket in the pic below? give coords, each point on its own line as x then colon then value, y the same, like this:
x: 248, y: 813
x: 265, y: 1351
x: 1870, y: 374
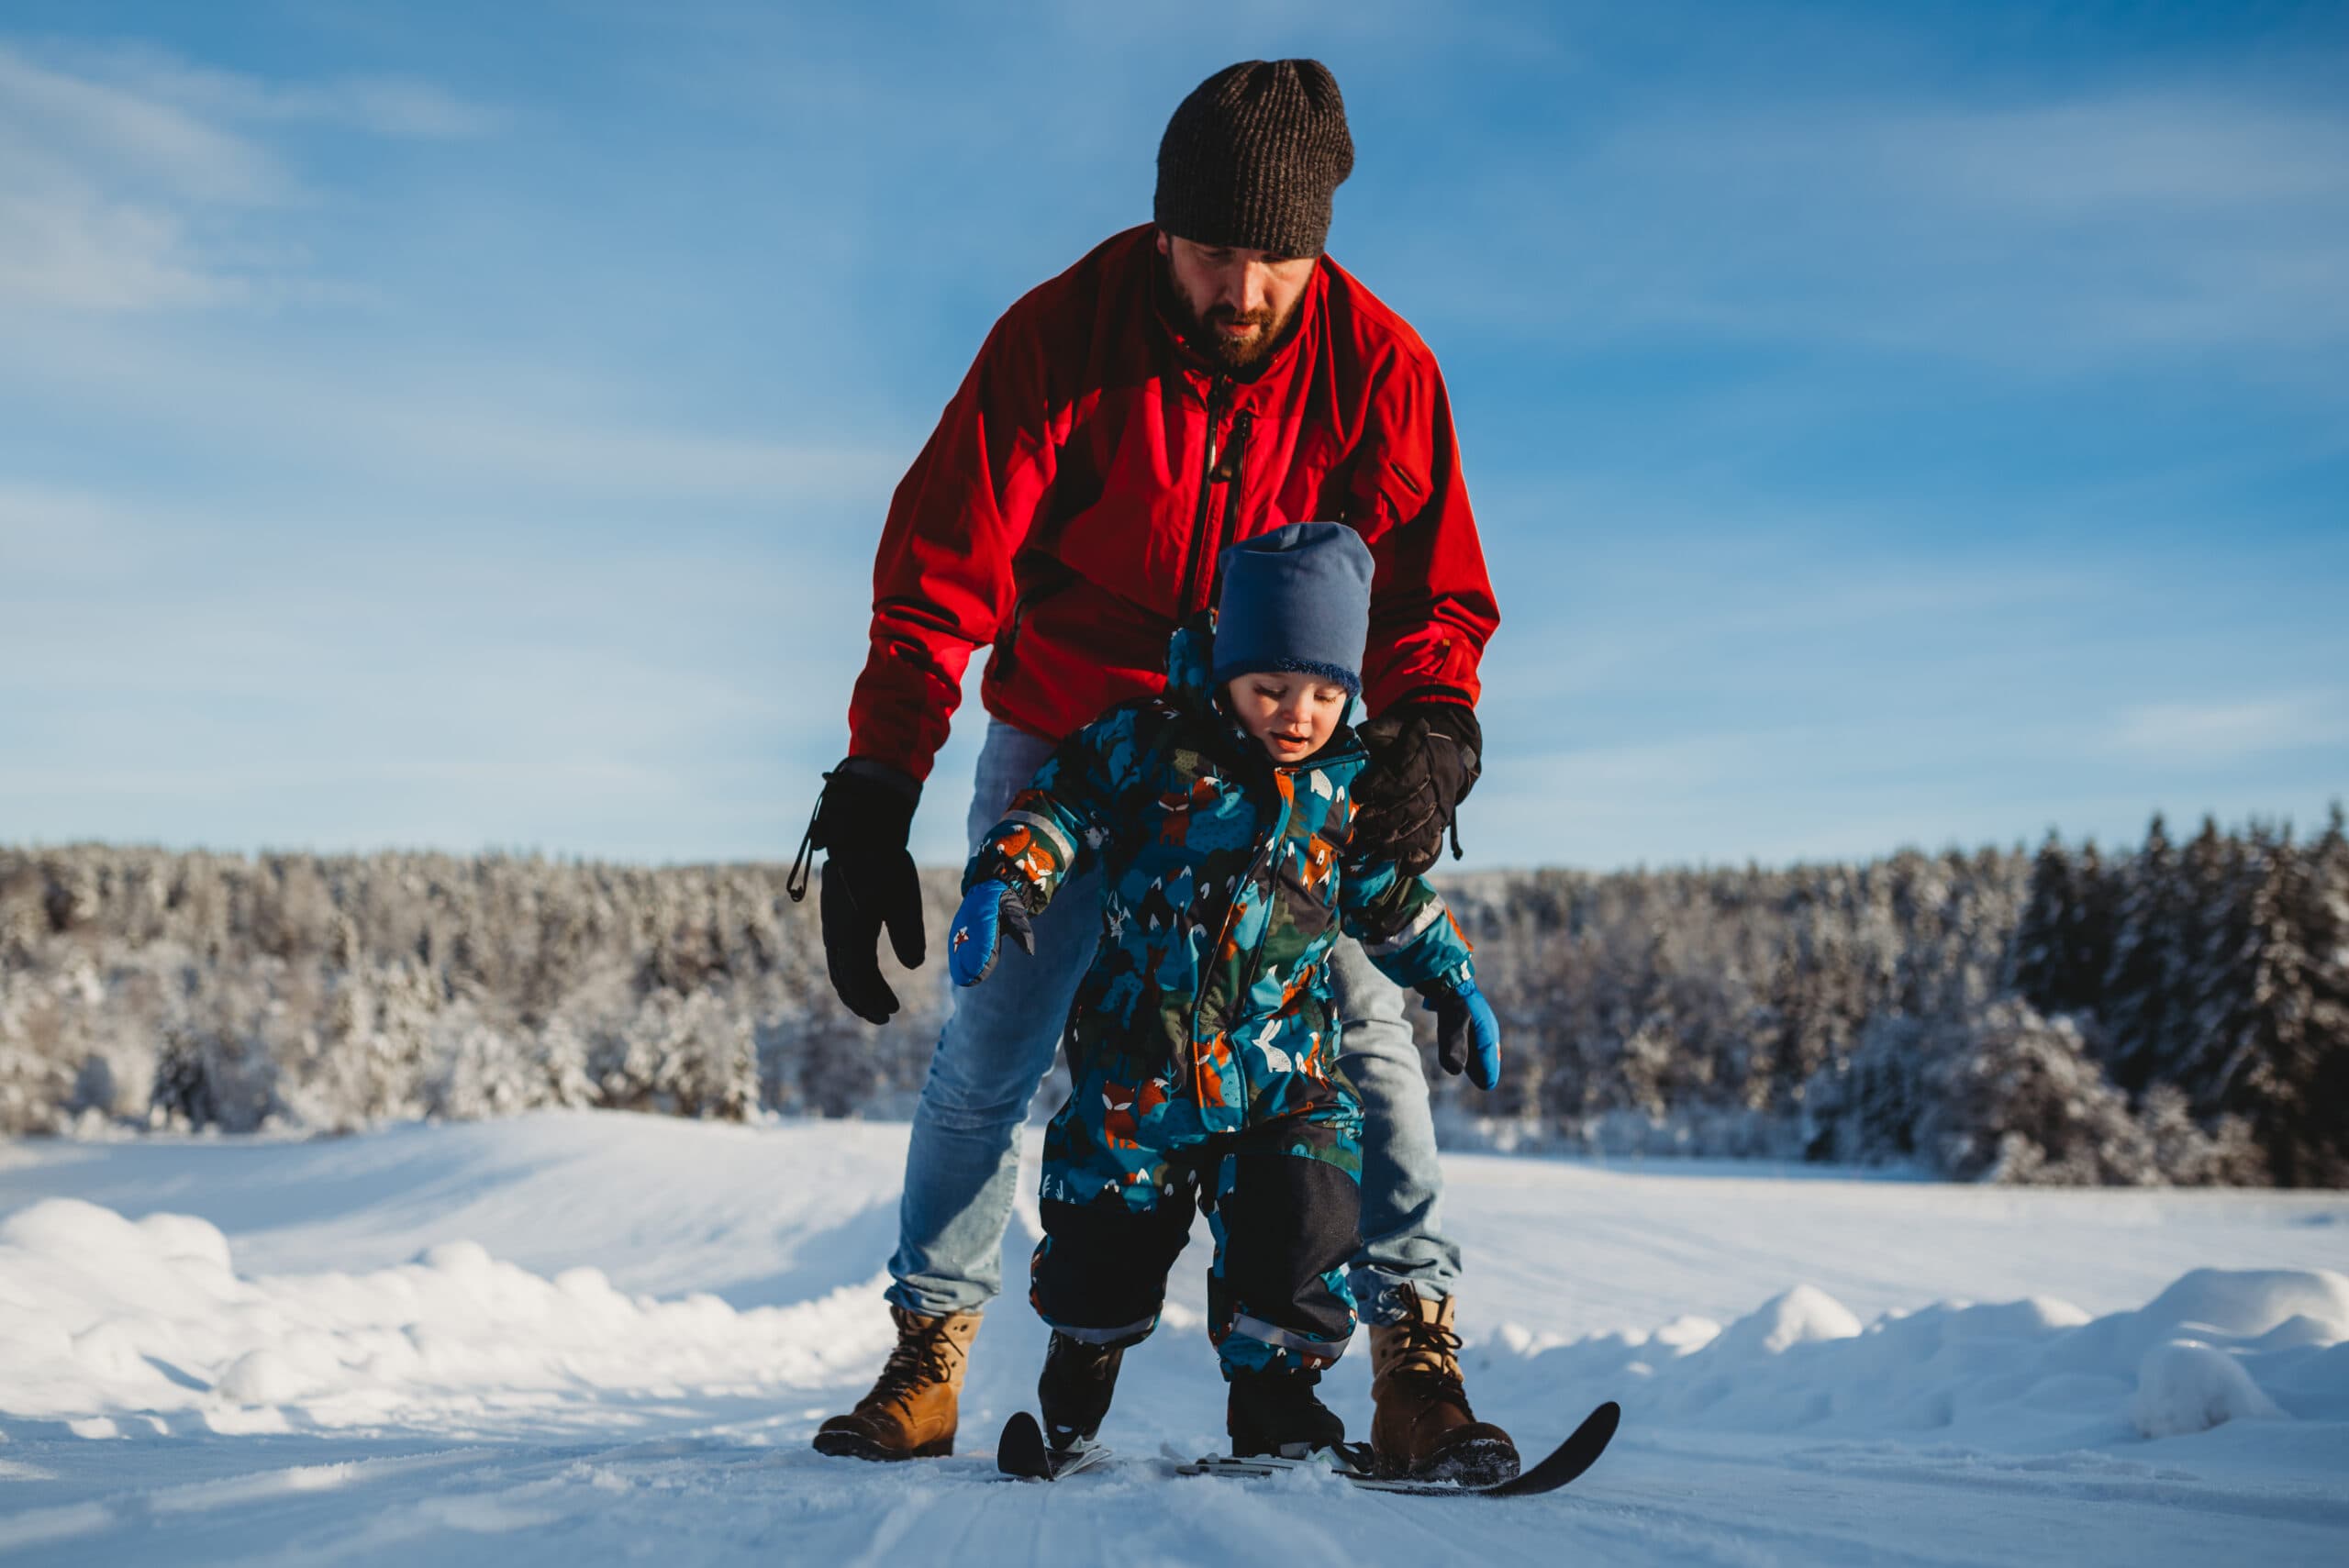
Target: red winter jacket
x: 1070, y: 507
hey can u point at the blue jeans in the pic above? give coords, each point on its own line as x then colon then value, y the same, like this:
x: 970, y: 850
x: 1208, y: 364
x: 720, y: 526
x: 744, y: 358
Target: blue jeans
x: 964, y: 1161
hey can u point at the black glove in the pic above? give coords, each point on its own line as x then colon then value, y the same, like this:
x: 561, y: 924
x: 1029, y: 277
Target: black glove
x: 1424, y: 759
x: 861, y: 821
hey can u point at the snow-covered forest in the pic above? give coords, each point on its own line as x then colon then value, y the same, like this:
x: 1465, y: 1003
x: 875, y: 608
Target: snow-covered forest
x: 2173, y: 1014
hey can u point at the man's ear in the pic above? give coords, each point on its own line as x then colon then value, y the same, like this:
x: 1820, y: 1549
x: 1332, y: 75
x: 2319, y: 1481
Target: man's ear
x: 1166, y: 246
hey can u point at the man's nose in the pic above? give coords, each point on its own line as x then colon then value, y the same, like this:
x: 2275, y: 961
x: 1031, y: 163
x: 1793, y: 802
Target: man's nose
x: 1242, y: 287
x: 1255, y: 287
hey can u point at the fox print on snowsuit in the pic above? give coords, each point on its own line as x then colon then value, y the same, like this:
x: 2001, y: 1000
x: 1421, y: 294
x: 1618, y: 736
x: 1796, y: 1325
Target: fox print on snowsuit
x: 1203, y: 1041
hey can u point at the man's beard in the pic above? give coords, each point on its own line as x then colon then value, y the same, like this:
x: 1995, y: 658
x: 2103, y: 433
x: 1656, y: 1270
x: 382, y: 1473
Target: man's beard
x: 1205, y: 334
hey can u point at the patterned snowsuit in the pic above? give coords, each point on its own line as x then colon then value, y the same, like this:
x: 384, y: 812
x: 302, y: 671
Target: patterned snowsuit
x: 1203, y: 1041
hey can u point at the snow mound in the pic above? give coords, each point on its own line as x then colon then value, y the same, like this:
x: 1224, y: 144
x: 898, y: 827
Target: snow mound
x: 2216, y: 1347
x: 108, y: 1324
x: 2188, y: 1387
x: 1803, y: 1316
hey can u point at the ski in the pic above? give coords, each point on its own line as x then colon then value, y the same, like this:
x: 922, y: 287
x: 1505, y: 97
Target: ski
x: 1022, y: 1454
x: 1563, y: 1465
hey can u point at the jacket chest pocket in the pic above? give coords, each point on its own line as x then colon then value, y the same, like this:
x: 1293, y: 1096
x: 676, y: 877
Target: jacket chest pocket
x: 1302, y: 902
x: 1316, y: 482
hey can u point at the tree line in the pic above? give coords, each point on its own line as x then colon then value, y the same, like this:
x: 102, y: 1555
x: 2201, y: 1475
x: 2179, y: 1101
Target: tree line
x: 2165, y: 1016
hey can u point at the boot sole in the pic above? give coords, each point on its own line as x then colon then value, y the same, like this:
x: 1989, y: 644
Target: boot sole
x: 1478, y: 1462
x: 856, y: 1445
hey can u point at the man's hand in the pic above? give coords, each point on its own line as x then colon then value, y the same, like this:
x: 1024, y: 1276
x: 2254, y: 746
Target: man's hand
x: 1424, y: 759
x: 990, y: 911
x: 861, y: 823
x: 1467, y: 1035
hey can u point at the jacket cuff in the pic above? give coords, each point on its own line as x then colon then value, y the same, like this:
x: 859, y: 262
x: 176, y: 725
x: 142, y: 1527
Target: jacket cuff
x: 875, y: 771
x: 1454, y: 980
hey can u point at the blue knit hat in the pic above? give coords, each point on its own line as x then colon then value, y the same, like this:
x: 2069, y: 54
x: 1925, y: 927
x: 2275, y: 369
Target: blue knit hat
x: 1295, y: 598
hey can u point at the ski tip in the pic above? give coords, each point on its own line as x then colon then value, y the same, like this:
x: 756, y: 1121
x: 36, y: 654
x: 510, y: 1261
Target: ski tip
x: 1019, y: 1451
x: 1567, y: 1461
x: 1589, y: 1440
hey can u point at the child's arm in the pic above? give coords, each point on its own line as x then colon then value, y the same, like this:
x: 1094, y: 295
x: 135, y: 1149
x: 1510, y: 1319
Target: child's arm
x: 1050, y: 835
x: 1056, y: 824
x: 1407, y: 929
x: 1404, y: 927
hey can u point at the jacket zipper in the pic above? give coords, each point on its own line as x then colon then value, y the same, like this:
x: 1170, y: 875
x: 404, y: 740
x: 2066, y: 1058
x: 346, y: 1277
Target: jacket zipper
x: 1234, y: 491
x: 1202, y: 526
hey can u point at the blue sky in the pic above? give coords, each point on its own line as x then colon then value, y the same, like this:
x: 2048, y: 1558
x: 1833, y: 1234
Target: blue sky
x: 470, y: 425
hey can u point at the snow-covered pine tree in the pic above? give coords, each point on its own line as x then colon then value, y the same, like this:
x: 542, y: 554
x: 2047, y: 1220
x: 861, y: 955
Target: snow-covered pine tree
x: 2187, y: 1156
x: 214, y: 1072
x: 2147, y: 987
x: 2039, y: 957
x: 1866, y: 1109
x: 2018, y: 1098
x: 36, y: 1072
x: 2325, y: 924
x: 562, y: 1057
x: 2089, y: 928
x: 2216, y: 953
x: 480, y: 1072
x: 2273, y: 1075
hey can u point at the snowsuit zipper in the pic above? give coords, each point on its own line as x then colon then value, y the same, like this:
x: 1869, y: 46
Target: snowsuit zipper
x: 1199, y: 1002
x: 1238, y: 1005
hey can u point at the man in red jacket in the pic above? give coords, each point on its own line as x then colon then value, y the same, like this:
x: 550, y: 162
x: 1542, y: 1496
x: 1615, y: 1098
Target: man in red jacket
x: 1187, y: 385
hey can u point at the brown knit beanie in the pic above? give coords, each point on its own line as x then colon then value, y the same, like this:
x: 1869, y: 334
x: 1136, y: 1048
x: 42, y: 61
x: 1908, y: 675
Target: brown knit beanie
x: 1252, y: 156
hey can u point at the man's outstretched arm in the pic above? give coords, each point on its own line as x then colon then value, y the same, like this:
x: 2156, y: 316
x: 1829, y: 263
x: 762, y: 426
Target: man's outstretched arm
x: 943, y: 578
x: 942, y: 583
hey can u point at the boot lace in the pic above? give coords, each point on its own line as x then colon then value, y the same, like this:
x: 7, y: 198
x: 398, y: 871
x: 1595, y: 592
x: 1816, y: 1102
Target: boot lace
x: 1432, y: 1353
x: 919, y: 1360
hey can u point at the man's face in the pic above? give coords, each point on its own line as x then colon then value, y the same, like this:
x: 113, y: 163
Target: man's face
x: 1240, y: 302
x: 1290, y: 714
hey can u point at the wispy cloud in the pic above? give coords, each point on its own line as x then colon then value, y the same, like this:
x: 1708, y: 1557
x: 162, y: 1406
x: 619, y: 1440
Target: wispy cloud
x: 130, y: 182
x: 455, y: 425
x: 197, y: 671
x: 2228, y: 731
x: 134, y: 183
x: 377, y: 104
x: 2058, y: 234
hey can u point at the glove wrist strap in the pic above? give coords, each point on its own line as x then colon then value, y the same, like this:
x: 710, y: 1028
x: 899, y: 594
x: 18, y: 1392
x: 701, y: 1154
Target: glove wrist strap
x: 862, y: 793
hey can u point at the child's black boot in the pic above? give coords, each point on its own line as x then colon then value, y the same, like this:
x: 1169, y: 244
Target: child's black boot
x: 1276, y: 1412
x: 1074, y: 1391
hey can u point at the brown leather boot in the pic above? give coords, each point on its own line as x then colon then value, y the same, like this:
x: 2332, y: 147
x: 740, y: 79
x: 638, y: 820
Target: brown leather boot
x: 911, y: 1414
x: 1421, y: 1426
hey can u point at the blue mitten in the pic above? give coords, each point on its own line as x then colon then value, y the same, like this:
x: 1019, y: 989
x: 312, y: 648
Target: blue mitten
x: 1467, y: 1034
x: 989, y: 911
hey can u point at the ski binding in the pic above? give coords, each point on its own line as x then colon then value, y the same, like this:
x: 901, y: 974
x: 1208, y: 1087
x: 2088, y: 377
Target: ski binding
x: 1022, y: 1454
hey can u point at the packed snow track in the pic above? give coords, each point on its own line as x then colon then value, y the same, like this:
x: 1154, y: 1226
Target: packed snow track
x: 574, y: 1339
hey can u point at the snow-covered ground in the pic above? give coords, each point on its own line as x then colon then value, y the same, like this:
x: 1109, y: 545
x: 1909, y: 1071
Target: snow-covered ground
x: 579, y: 1339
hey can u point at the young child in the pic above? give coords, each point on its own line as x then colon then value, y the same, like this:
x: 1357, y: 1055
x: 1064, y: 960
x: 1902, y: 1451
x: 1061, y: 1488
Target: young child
x: 1203, y: 1043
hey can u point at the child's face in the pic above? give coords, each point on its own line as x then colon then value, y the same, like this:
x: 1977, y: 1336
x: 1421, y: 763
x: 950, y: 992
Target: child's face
x: 1291, y: 716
